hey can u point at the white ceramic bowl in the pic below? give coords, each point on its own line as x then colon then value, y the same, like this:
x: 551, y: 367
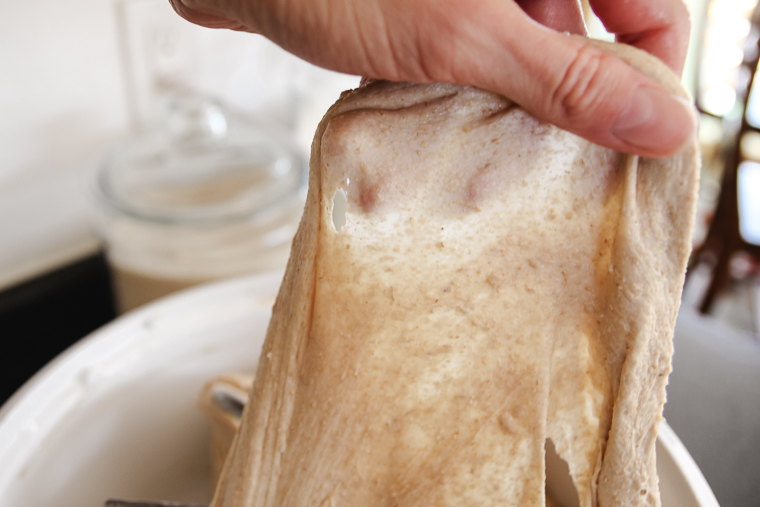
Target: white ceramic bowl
x: 115, y: 415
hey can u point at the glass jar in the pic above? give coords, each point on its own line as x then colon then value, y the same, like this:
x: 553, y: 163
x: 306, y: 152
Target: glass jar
x: 204, y: 197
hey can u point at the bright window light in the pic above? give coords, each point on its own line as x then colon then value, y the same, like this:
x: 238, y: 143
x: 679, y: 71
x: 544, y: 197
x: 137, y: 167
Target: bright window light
x: 718, y: 100
x: 748, y: 181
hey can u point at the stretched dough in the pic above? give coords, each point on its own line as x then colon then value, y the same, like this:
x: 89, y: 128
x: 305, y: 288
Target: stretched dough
x: 497, y: 282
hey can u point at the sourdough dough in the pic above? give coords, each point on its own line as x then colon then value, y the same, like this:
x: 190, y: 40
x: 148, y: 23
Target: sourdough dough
x: 497, y: 282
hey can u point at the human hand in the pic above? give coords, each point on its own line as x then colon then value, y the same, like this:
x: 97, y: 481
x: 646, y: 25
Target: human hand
x: 513, y: 47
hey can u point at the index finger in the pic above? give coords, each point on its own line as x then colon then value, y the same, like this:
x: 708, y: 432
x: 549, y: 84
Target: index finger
x: 659, y: 27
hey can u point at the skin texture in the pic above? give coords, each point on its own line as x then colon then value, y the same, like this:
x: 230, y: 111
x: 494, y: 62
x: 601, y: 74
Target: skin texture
x: 519, y: 49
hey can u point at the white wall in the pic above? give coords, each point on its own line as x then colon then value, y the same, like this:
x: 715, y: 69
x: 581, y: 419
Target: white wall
x: 60, y: 90
x: 61, y: 101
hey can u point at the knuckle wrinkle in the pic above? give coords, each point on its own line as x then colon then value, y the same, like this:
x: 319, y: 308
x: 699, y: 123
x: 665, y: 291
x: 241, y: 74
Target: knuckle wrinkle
x: 581, y: 88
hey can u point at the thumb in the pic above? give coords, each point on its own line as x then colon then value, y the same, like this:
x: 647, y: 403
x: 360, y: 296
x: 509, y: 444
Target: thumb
x: 580, y: 87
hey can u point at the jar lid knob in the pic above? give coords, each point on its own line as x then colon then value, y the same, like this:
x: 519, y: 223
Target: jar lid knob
x: 192, y: 119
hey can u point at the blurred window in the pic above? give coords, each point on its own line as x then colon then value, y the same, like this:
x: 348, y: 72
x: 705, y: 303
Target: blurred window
x: 729, y: 40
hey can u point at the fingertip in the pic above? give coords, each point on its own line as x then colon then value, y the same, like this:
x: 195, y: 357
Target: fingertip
x: 659, y: 27
x: 654, y: 122
x: 559, y: 15
x: 207, y: 19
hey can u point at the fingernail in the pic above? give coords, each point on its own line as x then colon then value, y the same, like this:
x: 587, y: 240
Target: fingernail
x: 656, y: 121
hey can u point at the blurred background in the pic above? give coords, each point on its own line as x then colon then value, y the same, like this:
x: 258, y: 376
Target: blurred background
x: 140, y: 154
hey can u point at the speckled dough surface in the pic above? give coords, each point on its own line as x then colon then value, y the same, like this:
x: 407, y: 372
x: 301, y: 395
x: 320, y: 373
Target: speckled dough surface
x: 497, y: 282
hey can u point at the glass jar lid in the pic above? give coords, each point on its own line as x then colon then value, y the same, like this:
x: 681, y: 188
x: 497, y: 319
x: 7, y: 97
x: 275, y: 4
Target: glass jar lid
x: 201, y: 166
